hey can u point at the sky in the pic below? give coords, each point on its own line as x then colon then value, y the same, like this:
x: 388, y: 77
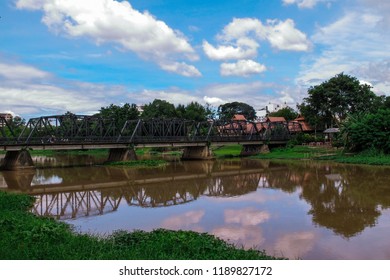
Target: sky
x: 82, y: 55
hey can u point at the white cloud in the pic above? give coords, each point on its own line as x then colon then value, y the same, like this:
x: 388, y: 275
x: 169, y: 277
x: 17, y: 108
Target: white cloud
x: 110, y: 21
x: 241, y: 50
x: 174, y: 95
x: 284, y: 36
x: 305, y: 4
x: 181, y: 68
x: 21, y: 72
x: 240, y: 38
x: 353, y: 44
x: 242, y: 68
x: 213, y: 100
x: 257, y: 94
x: 31, y: 91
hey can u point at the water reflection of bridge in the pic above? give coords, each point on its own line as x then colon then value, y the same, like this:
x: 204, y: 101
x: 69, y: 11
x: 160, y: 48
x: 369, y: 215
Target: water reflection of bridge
x: 110, y: 187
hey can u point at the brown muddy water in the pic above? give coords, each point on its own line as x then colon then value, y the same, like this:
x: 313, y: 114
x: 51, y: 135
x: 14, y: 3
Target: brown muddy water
x: 294, y: 209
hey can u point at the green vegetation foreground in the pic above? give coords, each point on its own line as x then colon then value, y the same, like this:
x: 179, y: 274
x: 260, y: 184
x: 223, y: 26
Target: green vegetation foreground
x: 24, y: 236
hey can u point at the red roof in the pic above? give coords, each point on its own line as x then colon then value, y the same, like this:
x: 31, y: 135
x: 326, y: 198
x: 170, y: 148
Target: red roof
x: 239, y: 117
x: 276, y: 119
x: 305, y: 126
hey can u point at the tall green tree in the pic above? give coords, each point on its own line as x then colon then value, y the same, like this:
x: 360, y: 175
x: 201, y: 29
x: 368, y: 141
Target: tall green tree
x: 159, y: 109
x: 287, y: 112
x: 228, y: 110
x: 329, y: 103
x: 120, y: 113
x: 195, y: 111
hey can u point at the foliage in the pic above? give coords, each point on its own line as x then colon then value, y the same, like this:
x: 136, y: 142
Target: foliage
x: 305, y: 138
x: 228, y: 110
x: 288, y: 113
x: 329, y: 103
x: 368, y: 131
x: 159, y: 109
x: 193, y: 111
x: 24, y: 236
x: 120, y: 113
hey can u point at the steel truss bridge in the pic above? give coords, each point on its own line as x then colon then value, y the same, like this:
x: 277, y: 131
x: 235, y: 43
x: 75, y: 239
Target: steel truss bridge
x: 61, y: 132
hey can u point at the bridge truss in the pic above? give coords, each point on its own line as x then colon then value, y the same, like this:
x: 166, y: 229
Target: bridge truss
x: 82, y: 129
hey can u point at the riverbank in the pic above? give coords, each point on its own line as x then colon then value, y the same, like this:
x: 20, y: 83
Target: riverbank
x: 327, y: 153
x: 24, y: 236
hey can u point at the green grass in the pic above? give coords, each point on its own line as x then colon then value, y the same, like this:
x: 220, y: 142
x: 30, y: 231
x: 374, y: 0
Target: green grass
x: 297, y: 152
x: 227, y: 151
x: 24, y: 236
x: 138, y: 163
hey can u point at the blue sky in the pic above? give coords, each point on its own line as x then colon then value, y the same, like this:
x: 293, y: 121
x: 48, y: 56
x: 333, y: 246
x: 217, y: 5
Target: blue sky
x: 81, y: 55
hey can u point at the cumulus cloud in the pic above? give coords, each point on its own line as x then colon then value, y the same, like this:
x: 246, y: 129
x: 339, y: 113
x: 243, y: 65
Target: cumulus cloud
x: 213, y: 100
x: 284, y: 36
x: 110, y: 21
x: 242, y: 68
x: 241, y: 38
x: 243, y: 49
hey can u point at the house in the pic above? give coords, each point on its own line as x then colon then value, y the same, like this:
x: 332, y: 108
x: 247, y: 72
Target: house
x: 306, y: 127
x: 275, y: 119
x: 5, y: 116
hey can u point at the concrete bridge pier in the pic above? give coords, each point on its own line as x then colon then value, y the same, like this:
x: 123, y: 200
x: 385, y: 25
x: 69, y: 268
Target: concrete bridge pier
x: 15, y: 160
x: 197, y: 153
x: 121, y: 154
x: 252, y: 150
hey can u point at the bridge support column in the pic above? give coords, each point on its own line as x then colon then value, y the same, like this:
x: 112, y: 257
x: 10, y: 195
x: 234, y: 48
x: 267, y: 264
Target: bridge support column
x: 202, y: 152
x: 121, y: 154
x: 15, y: 160
x: 252, y: 150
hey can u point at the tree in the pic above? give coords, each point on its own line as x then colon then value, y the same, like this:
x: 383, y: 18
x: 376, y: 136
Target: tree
x: 329, y: 103
x: 228, y: 110
x: 159, y: 109
x: 368, y: 131
x: 120, y: 113
x: 195, y: 111
x: 288, y: 113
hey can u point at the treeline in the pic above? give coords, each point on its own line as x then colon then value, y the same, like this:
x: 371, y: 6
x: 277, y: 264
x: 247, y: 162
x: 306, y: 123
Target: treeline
x: 164, y: 109
x: 362, y: 116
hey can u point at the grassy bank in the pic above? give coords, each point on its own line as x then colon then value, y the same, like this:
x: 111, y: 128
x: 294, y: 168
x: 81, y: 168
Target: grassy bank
x: 323, y: 153
x: 298, y: 152
x: 227, y: 151
x: 24, y: 236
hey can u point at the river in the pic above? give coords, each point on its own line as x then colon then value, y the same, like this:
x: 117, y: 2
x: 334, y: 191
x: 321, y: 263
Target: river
x: 294, y: 209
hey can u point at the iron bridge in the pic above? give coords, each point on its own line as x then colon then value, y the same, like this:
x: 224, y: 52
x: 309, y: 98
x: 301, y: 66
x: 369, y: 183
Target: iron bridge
x: 61, y: 132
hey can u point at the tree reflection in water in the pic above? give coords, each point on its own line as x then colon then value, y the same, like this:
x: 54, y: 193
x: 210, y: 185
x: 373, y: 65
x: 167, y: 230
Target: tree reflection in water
x: 346, y: 199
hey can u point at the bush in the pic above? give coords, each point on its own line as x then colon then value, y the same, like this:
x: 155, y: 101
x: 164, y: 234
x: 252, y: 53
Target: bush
x: 368, y: 131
